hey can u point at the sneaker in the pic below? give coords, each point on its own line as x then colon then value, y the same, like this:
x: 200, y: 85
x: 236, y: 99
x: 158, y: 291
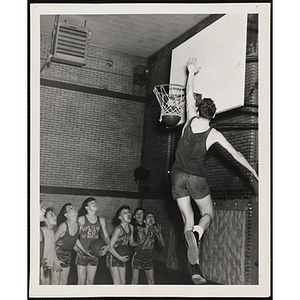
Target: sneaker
x: 196, y: 234
x: 192, y: 252
x: 196, y: 277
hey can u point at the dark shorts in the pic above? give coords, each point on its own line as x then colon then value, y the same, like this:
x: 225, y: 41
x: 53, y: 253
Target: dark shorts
x: 112, y: 261
x: 83, y: 259
x: 142, y: 261
x: 184, y: 184
x: 64, y: 256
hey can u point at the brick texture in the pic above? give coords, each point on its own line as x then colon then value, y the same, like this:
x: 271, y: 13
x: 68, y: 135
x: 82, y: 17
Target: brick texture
x: 90, y: 141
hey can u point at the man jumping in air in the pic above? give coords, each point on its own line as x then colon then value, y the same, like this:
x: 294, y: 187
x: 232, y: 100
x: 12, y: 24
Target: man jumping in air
x: 188, y: 176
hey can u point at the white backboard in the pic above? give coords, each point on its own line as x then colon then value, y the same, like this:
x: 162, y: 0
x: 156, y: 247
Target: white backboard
x: 220, y: 50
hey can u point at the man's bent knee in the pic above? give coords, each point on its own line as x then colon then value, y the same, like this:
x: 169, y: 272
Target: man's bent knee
x: 210, y: 216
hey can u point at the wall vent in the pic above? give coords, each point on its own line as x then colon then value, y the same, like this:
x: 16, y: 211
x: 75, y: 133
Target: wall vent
x: 70, y: 44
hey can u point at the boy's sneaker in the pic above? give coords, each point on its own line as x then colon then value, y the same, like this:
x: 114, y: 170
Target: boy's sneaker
x: 192, y: 252
x: 196, y: 234
x: 196, y: 277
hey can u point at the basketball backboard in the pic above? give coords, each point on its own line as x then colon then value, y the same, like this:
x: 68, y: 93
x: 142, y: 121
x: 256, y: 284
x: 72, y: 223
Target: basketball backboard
x: 220, y: 50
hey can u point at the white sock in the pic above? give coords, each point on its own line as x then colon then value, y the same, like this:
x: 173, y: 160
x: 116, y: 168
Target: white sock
x: 199, y: 229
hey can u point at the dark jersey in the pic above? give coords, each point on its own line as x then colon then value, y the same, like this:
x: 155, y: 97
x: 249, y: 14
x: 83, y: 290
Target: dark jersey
x: 89, y: 232
x: 191, y: 151
x: 123, y: 239
x: 67, y: 242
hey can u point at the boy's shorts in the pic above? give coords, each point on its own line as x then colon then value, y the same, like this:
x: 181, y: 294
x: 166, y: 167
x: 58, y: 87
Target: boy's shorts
x: 83, y: 259
x: 112, y: 261
x: 64, y: 256
x: 184, y: 184
x: 142, y: 261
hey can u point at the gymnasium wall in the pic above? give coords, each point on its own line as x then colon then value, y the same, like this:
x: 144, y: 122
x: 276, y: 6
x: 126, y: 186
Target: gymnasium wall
x: 91, y: 130
x: 229, y: 182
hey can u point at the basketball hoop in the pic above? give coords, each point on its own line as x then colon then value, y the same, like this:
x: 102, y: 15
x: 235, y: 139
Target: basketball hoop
x: 171, y: 98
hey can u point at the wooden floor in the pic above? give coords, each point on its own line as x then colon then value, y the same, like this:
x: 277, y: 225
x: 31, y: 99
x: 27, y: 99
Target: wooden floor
x: 161, y: 275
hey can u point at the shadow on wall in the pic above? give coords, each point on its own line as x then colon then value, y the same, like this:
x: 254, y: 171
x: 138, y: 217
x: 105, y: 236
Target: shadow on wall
x: 176, y: 253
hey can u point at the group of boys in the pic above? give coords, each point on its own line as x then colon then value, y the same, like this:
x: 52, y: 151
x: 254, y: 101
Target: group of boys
x: 76, y: 232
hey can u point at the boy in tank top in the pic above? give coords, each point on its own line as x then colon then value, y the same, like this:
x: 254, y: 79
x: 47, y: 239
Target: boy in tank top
x: 66, y: 237
x: 142, y: 258
x: 122, y: 235
x: 92, y: 227
x: 52, y: 263
x: 188, y: 175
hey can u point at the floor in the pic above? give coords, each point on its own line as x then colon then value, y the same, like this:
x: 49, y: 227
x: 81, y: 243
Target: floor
x: 161, y: 275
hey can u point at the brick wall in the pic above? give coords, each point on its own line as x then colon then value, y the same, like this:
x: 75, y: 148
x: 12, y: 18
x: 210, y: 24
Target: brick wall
x: 106, y: 69
x: 90, y: 142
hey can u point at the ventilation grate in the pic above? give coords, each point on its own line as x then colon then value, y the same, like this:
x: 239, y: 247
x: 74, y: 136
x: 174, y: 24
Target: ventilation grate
x: 70, y: 44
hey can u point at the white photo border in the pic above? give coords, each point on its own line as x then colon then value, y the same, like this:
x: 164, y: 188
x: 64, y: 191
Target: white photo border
x: 263, y: 289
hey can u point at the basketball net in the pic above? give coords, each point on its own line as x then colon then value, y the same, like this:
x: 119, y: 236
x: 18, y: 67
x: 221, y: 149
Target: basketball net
x: 171, y: 98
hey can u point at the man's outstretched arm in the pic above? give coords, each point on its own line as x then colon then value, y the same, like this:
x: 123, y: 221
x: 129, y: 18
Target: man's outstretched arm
x: 216, y: 136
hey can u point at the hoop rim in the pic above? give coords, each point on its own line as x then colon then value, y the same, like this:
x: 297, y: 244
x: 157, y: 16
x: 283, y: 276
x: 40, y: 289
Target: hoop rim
x: 170, y: 84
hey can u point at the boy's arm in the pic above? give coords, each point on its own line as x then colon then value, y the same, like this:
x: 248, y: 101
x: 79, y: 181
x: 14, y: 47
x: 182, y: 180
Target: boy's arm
x: 144, y: 238
x: 104, y: 249
x: 113, y: 240
x: 61, y: 230
x: 191, y: 110
x: 56, y: 263
x: 216, y: 136
x: 190, y: 100
x: 157, y: 230
x: 106, y: 236
x: 132, y: 243
x: 81, y: 221
x: 79, y: 245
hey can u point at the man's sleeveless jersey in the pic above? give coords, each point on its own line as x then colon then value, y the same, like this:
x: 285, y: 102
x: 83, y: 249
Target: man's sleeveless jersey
x: 191, y: 151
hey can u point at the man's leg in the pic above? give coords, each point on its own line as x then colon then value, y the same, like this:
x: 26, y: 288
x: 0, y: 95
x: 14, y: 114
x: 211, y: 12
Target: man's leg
x: 122, y: 272
x: 150, y: 276
x: 135, y: 276
x: 47, y: 277
x: 55, y: 277
x: 81, y: 274
x: 114, y: 272
x: 186, y: 210
x: 91, y: 272
x: 206, y: 208
x: 64, y: 275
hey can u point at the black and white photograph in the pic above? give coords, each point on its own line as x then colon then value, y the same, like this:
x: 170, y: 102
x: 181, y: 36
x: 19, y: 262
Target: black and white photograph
x: 150, y: 150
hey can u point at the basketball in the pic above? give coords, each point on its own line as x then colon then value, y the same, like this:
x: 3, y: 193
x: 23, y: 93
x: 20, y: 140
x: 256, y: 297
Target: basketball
x: 123, y: 250
x: 95, y: 246
x: 171, y: 120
